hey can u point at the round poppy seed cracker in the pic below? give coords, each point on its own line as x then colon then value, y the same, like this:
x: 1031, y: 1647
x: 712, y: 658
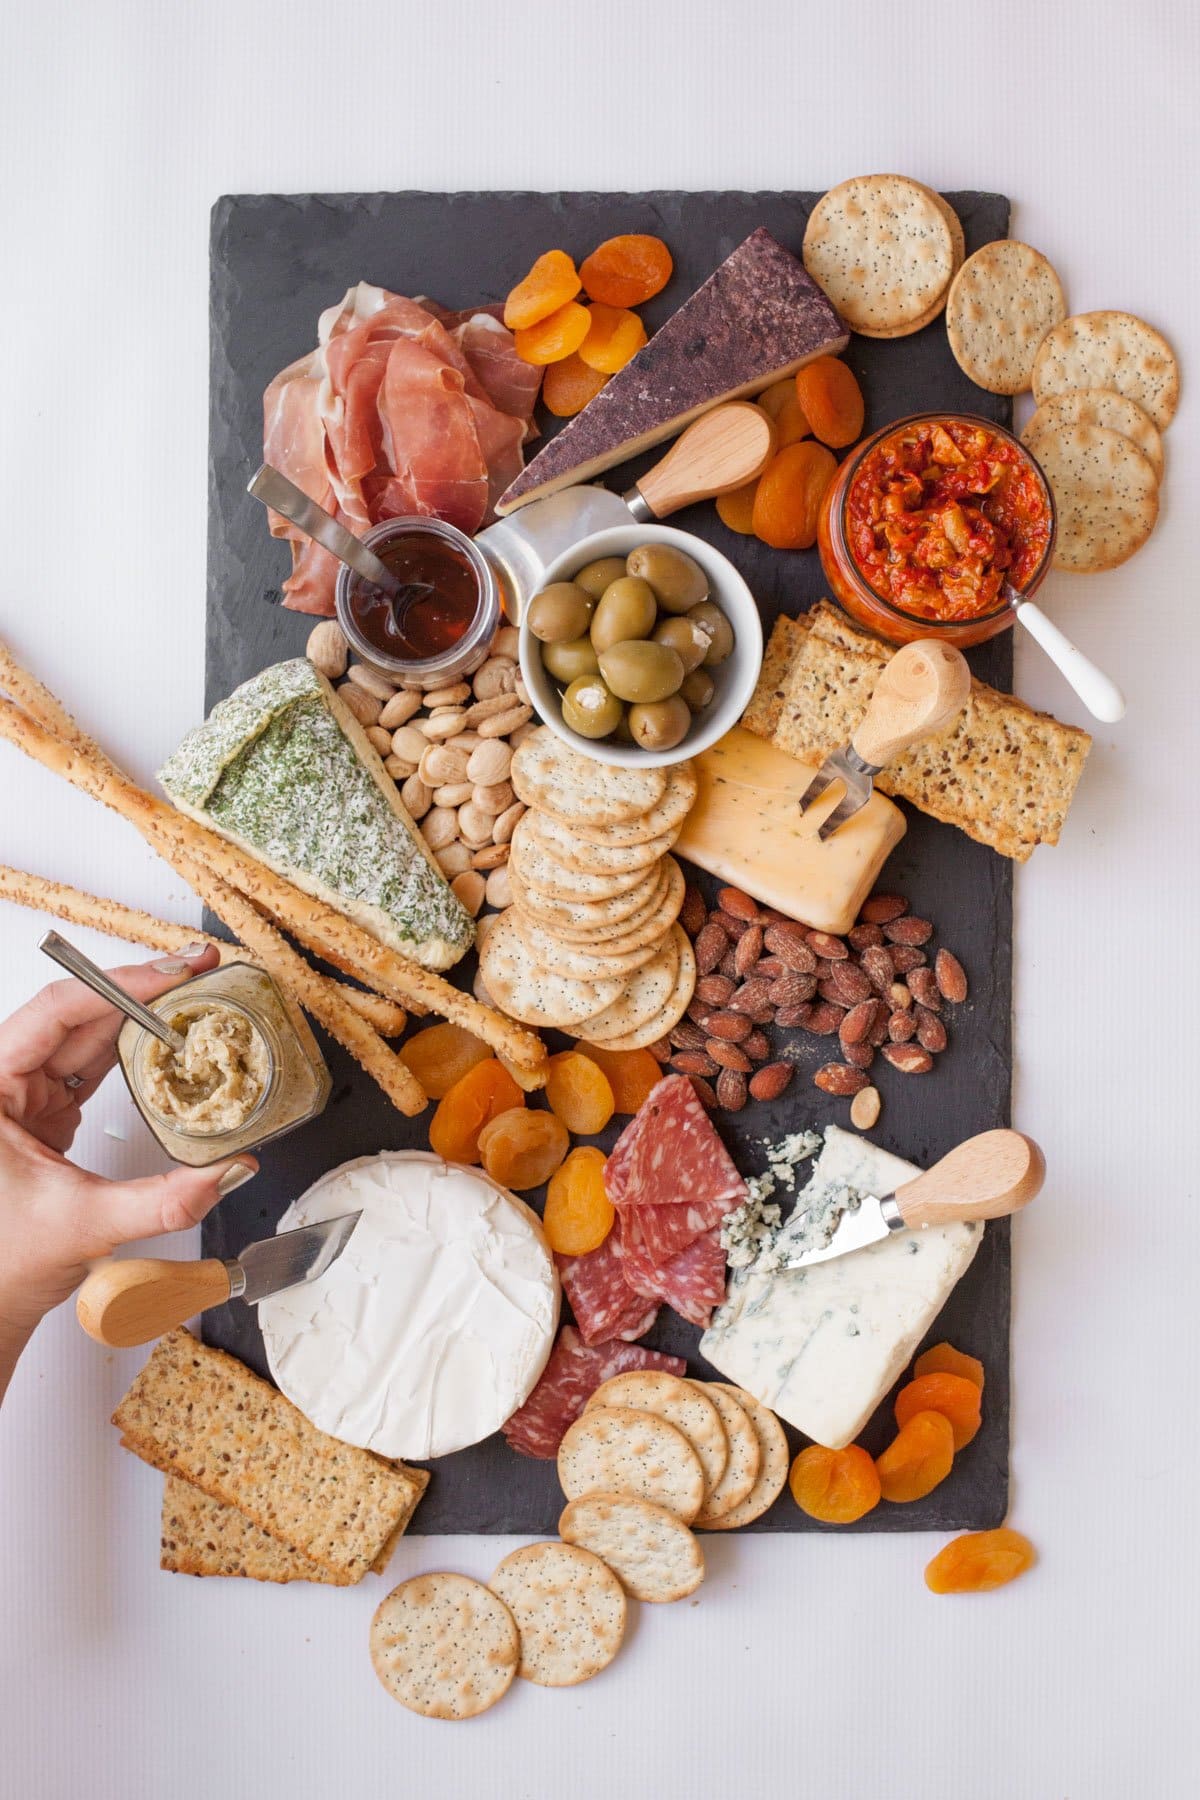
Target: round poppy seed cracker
x: 577, y: 789
x: 745, y: 1455
x: 681, y: 1404
x: 537, y: 996
x: 1099, y: 406
x: 445, y: 1646
x: 1110, y: 350
x: 574, y: 959
x: 570, y: 1611
x: 1105, y: 496
x: 617, y: 1450
x: 652, y: 1553
x: 1000, y: 306
x: 672, y: 1012
x: 881, y: 248
x: 540, y: 873
x: 571, y: 851
x: 773, y: 1469
x: 667, y: 814
x: 611, y: 910
x: 643, y: 997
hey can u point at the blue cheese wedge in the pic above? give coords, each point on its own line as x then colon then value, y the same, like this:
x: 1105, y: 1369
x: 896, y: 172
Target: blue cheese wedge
x: 822, y: 1346
x: 286, y: 772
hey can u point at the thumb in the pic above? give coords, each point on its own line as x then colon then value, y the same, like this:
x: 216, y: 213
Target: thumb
x: 170, y: 1202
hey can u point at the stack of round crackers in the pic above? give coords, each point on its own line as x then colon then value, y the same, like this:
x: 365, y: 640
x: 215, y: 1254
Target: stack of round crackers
x: 590, y: 944
x: 884, y: 249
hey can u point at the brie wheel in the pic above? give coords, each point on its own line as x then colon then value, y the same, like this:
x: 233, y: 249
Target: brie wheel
x: 434, y: 1323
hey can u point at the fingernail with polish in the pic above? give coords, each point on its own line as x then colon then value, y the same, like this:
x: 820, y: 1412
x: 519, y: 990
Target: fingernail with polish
x: 234, y: 1176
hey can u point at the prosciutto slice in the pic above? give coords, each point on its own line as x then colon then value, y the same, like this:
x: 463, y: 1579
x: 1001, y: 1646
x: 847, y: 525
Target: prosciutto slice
x: 661, y: 1232
x: 572, y: 1375
x: 692, y: 1283
x: 604, y: 1304
x: 670, y: 1155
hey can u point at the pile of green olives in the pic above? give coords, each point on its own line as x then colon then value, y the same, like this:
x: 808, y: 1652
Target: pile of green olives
x: 630, y: 641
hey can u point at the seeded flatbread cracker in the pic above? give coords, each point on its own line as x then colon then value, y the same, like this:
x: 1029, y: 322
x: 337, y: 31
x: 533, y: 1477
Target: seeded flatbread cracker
x: 1098, y: 406
x: 570, y: 1611
x: 594, y: 964
x: 200, y: 1414
x: 445, y: 1646
x: 676, y: 1005
x: 651, y: 1552
x: 745, y: 1454
x: 544, y: 876
x: 610, y: 910
x: 525, y: 990
x: 1110, y: 350
x: 773, y: 1468
x: 617, y: 1450
x: 201, y: 1536
x: 882, y: 250
x: 571, y: 851
x: 1105, y: 496
x: 681, y: 1404
x: 1000, y: 306
x: 667, y: 814
x: 643, y: 996
x: 762, y: 714
x: 579, y: 790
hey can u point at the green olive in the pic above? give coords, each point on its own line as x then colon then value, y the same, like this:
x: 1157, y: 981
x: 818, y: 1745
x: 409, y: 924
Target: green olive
x: 600, y: 574
x: 710, y: 616
x: 686, y: 636
x: 589, y: 707
x: 660, y: 724
x: 626, y: 610
x: 698, y: 689
x: 560, y: 612
x: 678, y: 581
x: 567, y: 662
x: 636, y: 669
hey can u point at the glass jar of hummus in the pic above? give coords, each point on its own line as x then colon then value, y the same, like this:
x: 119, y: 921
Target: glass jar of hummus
x: 249, y: 1070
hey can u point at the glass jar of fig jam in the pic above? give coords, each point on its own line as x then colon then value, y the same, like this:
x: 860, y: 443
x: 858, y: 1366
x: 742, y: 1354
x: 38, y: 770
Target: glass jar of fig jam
x: 441, y: 627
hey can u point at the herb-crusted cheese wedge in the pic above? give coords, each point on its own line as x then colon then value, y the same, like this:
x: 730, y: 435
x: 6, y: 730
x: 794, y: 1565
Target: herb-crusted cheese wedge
x: 284, y: 770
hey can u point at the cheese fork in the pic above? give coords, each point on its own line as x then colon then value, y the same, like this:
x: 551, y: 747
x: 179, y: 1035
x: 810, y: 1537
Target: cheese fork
x: 985, y: 1177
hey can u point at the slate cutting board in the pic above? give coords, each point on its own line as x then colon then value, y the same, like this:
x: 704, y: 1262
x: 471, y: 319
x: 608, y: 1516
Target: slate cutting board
x: 277, y: 261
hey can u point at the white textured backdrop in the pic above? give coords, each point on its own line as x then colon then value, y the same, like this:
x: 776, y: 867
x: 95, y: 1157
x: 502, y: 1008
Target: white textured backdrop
x: 804, y: 1665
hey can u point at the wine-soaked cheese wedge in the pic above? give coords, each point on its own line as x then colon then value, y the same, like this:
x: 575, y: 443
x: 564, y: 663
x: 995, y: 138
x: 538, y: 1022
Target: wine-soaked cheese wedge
x: 757, y: 318
x: 822, y: 1345
x: 746, y: 827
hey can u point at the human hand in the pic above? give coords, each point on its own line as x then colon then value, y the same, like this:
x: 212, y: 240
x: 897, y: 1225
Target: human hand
x: 56, y: 1218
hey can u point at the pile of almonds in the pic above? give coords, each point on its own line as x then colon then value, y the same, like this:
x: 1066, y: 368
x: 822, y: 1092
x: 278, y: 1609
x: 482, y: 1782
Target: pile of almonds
x: 874, y: 988
x: 448, y: 750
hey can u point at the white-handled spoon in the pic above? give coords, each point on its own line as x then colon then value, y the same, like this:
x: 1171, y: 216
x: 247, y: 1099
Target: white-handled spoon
x: 1102, y: 697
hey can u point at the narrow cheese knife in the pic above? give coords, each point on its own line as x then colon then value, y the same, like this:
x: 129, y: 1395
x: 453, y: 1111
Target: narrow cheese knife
x: 131, y: 1301
x: 920, y: 691
x: 986, y: 1177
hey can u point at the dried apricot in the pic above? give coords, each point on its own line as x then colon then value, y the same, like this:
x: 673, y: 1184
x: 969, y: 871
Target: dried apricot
x: 521, y: 1148
x: 791, y: 424
x: 736, y: 508
x: 956, y: 1398
x: 569, y: 385
x: 614, y: 336
x: 579, y: 1214
x: 835, y: 1486
x: 775, y: 398
x: 441, y: 1055
x: 790, y: 491
x: 552, y: 281
x: 466, y: 1108
x: 832, y: 401
x: 624, y: 271
x: 944, y: 1359
x: 918, y: 1457
x: 579, y: 1093
x: 980, y: 1561
x: 631, y: 1074
x: 551, y: 339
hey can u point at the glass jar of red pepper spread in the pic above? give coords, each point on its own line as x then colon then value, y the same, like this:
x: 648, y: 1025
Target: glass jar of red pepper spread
x: 928, y: 520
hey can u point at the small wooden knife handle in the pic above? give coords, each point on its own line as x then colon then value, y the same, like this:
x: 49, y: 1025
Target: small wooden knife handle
x: 131, y: 1301
x: 921, y: 690
x: 723, y: 449
x: 986, y: 1177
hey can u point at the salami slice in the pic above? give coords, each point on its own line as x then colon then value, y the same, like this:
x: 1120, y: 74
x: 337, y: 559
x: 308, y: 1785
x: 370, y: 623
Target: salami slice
x: 670, y: 1155
x: 604, y: 1304
x: 568, y: 1381
x: 692, y: 1283
x: 661, y: 1232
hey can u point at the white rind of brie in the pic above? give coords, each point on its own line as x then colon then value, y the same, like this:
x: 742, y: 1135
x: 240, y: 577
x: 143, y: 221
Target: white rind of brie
x: 434, y: 1323
x: 822, y: 1346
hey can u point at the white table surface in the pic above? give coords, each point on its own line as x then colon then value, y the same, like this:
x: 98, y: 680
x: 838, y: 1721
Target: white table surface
x: 804, y: 1664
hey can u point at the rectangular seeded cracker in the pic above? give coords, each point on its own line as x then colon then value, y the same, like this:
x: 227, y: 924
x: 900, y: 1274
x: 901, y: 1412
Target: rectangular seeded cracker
x: 766, y: 702
x: 198, y: 1413
x: 201, y: 1536
x: 1002, y: 773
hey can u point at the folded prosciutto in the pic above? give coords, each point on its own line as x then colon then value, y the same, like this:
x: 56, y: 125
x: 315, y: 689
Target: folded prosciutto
x: 402, y: 408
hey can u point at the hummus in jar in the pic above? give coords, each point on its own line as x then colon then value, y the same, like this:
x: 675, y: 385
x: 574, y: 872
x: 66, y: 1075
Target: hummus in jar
x: 217, y: 1081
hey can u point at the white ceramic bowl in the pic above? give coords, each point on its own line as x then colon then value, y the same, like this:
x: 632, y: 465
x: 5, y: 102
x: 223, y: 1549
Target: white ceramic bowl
x: 734, y: 678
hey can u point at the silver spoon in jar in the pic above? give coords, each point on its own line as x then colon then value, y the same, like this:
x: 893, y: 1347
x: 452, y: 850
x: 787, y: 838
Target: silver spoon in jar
x: 283, y: 496
x: 84, y: 969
